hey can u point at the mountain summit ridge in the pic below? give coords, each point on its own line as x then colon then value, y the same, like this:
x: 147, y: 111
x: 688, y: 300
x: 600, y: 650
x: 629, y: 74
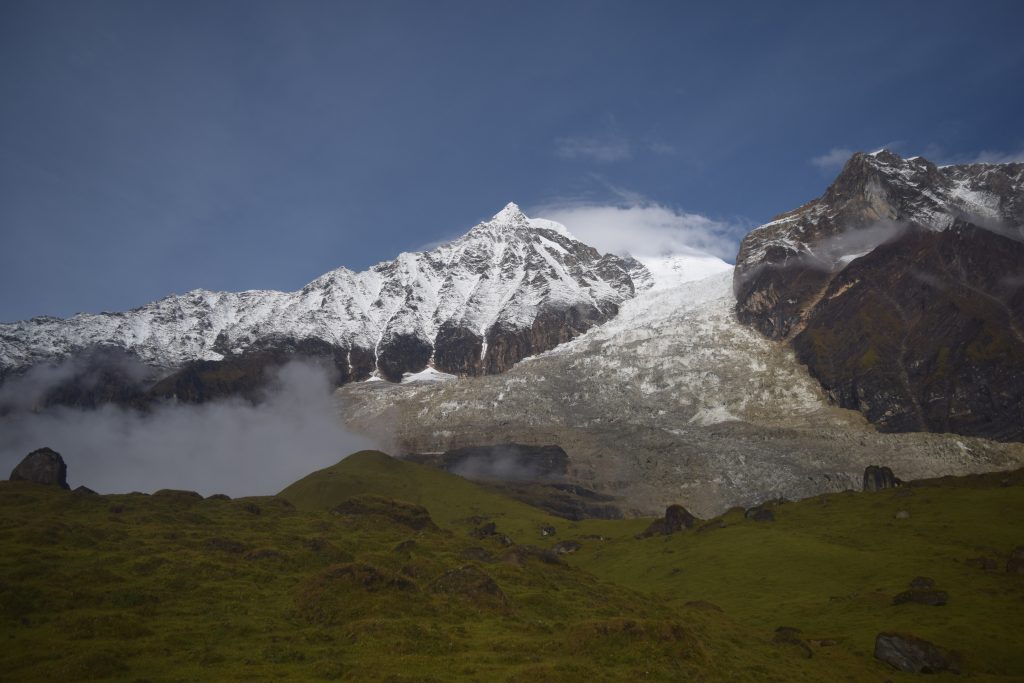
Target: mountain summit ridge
x: 510, y: 287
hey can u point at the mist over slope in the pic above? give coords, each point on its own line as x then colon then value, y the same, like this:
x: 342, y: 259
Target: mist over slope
x: 227, y: 446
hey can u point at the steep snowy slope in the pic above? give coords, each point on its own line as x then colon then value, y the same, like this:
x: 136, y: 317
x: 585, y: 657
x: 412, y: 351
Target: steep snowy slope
x: 511, y: 287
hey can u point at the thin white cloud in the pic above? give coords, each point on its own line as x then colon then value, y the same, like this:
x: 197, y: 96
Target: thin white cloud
x: 833, y: 159
x: 643, y: 229
x: 993, y: 157
x: 605, y: 149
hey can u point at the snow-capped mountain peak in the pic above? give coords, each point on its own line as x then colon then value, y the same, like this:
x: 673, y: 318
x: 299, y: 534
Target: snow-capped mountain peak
x: 510, y: 214
x: 510, y: 287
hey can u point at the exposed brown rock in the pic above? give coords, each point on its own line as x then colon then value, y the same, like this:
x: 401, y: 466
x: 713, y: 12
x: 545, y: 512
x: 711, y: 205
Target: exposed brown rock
x: 903, y: 305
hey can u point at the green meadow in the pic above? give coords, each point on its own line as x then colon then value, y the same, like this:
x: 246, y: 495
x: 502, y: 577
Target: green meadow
x: 381, y: 570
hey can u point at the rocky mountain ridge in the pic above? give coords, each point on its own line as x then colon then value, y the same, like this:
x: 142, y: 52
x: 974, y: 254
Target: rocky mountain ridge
x: 511, y: 287
x: 902, y: 290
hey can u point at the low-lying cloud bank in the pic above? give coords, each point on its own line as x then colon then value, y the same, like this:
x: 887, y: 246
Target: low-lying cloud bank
x: 229, y: 447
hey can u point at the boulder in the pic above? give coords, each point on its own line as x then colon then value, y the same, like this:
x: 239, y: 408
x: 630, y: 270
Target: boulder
x: 909, y: 653
x: 902, y: 514
x: 677, y: 518
x: 490, y: 530
x: 877, y: 478
x: 85, y: 491
x: 42, y: 466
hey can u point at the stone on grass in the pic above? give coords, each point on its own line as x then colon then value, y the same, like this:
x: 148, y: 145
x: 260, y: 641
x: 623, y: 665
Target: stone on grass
x: 909, y: 653
x: 42, y: 466
x: 676, y: 519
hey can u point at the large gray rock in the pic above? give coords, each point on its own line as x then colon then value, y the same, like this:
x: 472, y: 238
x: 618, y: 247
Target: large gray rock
x: 909, y: 653
x: 42, y: 466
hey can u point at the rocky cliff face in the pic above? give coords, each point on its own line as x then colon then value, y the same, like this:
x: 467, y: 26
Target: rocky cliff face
x: 902, y: 289
x: 510, y: 288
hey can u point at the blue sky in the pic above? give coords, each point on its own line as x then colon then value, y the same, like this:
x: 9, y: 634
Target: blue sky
x: 154, y: 147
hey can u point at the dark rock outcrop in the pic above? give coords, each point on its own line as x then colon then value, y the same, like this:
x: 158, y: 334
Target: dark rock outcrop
x: 877, y: 478
x: 458, y: 351
x: 398, y: 354
x: 249, y: 373
x: 42, y: 466
x: 901, y: 291
x: 87, y: 378
x: 506, y: 346
x: 490, y: 530
x: 676, y: 519
x: 909, y: 653
x: 924, y: 334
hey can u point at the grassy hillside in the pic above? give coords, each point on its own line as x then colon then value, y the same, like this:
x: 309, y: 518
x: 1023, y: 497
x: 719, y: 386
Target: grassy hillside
x: 451, y: 500
x: 172, y: 587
